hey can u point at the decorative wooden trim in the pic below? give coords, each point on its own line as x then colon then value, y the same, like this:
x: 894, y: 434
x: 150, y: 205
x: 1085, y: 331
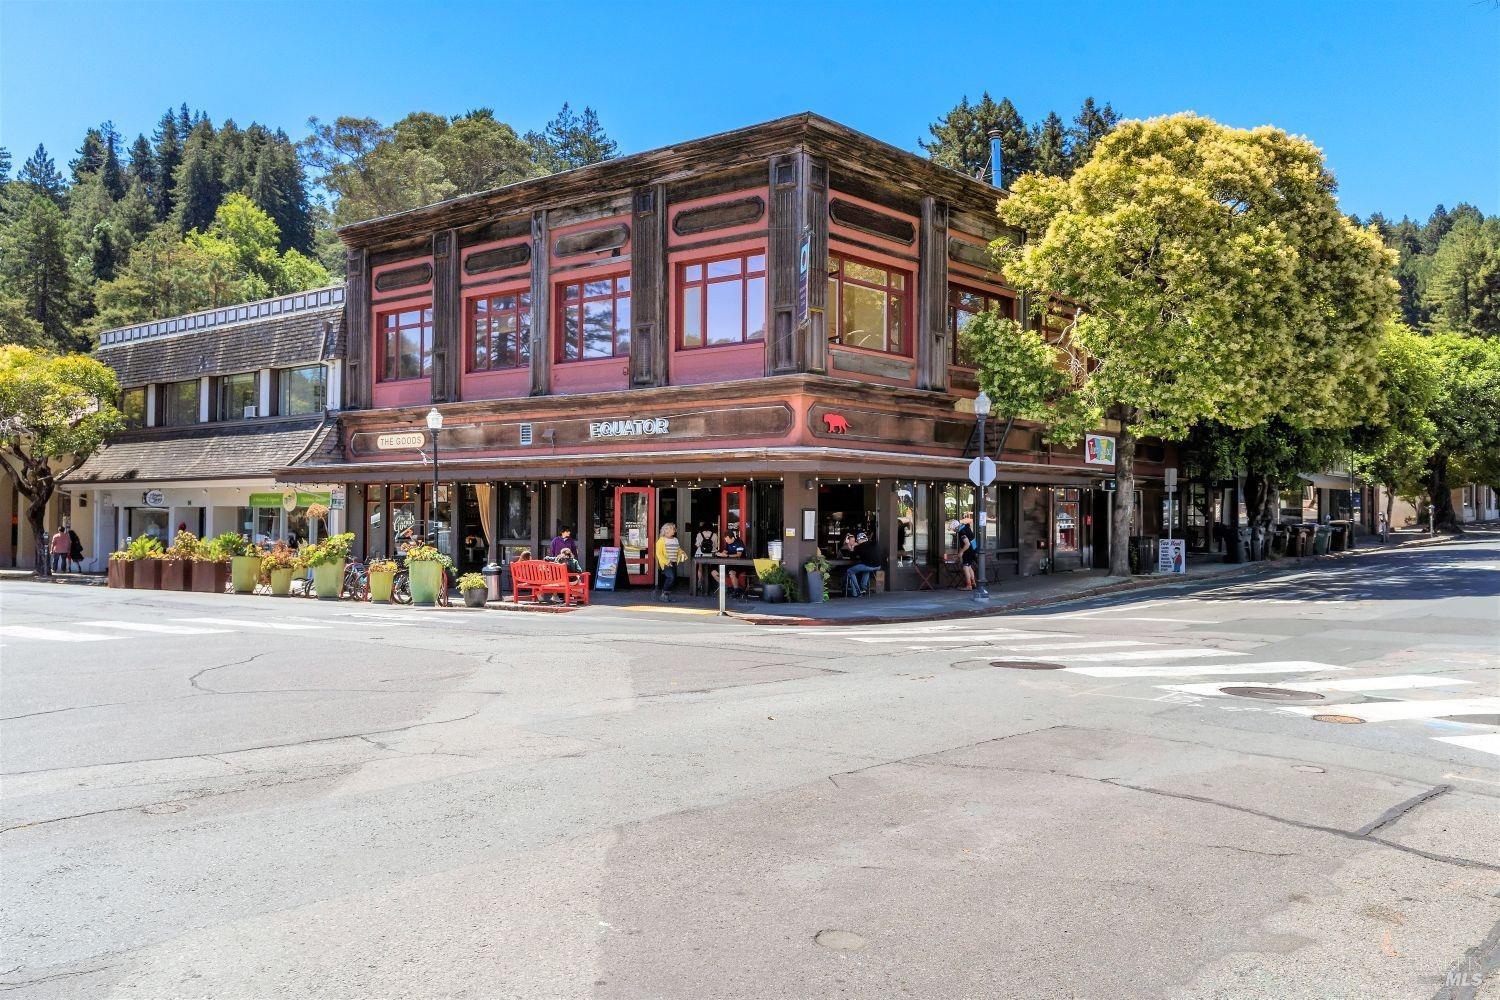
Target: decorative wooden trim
x: 882, y: 366
x: 867, y: 220
x: 592, y: 240
x: 447, y: 318
x: 404, y: 277
x: 740, y: 212
x: 541, y: 306
x: 358, y: 373
x: 648, y: 288
x: 969, y: 253
x: 497, y: 259
x: 932, y: 297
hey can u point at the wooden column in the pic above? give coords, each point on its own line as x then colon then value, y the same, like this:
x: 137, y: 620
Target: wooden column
x: 649, y: 346
x: 359, y: 369
x: 799, y: 207
x: 933, y: 348
x: 447, y: 323
x: 541, y: 305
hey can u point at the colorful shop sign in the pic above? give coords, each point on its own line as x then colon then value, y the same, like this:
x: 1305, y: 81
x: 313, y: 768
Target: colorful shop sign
x: 297, y: 499
x: 1099, y: 449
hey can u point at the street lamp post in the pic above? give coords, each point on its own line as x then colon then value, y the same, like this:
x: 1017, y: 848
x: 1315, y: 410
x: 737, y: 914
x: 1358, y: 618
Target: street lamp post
x: 434, y: 424
x: 981, y: 411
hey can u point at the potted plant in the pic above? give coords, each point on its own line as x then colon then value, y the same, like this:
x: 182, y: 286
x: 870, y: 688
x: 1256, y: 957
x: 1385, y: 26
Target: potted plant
x: 210, y: 568
x: 244, y: 561
x: 382, y: 578
x: 177, y: 561
x: 120, y: 569
x: 327, y: 559
x: 145, y: 553
x: 817, y: 569
x: 778, y: 585
x: 425, y: 564
x: 474, y: 589
x: 277, y: 567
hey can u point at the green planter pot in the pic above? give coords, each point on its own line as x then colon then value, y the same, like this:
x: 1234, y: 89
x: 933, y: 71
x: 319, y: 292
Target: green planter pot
x: 244, y: 571
x: 380, y: 587
x: 426, y: 577
x: 328, y: 580
x: 281, y: 582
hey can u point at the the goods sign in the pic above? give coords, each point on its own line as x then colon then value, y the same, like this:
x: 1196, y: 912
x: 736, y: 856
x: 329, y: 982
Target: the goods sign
x: 401, y: 441
x: 154, y: 498
x: 638, y: 427
x: 982, y: 471
x: 1099, y: 449
x: 1171, y: 556
x: 608, y: 568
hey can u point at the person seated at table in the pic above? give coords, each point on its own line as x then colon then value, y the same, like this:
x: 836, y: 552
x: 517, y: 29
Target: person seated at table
x: 733, y: 549
x: 706, y: 541
x: 565, y: 559
x: 867, y: 559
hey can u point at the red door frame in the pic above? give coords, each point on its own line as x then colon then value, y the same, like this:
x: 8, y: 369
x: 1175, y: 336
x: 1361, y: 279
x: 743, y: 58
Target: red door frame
x: 644, y: 569
x: 724, y: 495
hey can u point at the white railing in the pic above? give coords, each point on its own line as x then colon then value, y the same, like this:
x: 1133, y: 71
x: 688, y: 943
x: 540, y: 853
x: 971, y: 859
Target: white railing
x: 282, y: 305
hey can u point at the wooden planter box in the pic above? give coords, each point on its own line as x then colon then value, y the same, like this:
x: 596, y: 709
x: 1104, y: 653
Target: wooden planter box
x: 210, y: 577
x: 146, y: 574
x: 121, y: 573
x: 175, y: 573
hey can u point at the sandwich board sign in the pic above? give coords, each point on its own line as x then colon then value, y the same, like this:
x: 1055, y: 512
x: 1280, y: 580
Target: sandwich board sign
x: 608, y: 568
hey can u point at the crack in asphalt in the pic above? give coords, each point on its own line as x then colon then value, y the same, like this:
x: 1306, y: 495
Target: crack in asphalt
x: 6, y: 985
x: 193, y: 680
x: 1465, y: 976
x: 1400, y: 809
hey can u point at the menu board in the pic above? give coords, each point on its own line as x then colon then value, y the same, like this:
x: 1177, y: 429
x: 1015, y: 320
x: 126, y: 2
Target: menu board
x: 608, y: 568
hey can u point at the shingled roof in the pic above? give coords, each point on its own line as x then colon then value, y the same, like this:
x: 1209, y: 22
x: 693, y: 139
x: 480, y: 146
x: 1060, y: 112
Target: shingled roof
x: 221, y: 343
x: 208, y: 451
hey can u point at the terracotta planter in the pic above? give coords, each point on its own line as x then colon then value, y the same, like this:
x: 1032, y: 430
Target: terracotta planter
x: 426, y: 578
x: 245, y: 572
x: 328, y: 580
x: 210, y: 577
x: 122, y: 573
x: 175, y: 574
x: 281, y: 581
x: 146, y: 574
x: 380, y: 587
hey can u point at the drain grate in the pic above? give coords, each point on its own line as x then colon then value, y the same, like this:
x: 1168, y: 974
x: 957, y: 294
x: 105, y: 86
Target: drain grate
x: 1343, y: 720
x: 1270, y: 693
x: 1025, y: 665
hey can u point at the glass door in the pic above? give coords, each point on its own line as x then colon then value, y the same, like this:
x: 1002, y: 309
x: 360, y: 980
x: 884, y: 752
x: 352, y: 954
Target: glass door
x: 635, y: 528
x: 732, y: 512
x: 1066, y: 529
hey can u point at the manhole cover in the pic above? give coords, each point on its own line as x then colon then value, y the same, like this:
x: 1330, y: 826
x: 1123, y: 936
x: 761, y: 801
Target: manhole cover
x: 1025, y: 665
x: 1474, y: 720
x: 1343, y: 720
x: 836, y: 940
x: 1270, y: 693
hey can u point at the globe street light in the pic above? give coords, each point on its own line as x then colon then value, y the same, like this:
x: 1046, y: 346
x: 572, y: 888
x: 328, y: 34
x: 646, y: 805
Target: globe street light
x: 982, y: 411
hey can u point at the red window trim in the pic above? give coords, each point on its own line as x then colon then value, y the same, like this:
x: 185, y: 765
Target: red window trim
x: 559, y: 290
x: 972, y: 289
x: 744, y: 278
x: 471, y: 323
x: 382, y: 341
x: 905, y: 293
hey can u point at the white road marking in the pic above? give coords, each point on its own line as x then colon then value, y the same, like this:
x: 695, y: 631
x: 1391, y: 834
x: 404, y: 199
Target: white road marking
x: 278, y: 626
x: 957, y: 637
x: 156, y: 629
x: 1400, y: 683
x: 1203, y: 670
x: 1174, y: 621
x: 1148, y: 654
x: 1483, y: 742
x: 50, y: 635
x: 1392, y: 711
x: 1047, y: 647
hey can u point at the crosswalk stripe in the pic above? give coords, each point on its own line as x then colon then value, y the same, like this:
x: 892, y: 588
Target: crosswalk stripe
x: 1483, y: 742
x: 954, y: 637
x: 1399, y: 683
x: 49, y: 634
x: 241, y: 623
x: 1393, y: 711
x: 156, y: 629
x: 1049, y: 647
x: 1201, y: 670
x: 1147, y: 654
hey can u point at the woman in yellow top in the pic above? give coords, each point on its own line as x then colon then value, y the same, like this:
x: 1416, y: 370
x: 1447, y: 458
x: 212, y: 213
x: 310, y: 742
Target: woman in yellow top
x: 669, y: 556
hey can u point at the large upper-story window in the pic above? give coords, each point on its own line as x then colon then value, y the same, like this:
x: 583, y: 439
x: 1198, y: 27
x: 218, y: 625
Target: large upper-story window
x: 963, y: 305
x: 867, y: 306
x: 722, y: 301
x: 239, y: 396
x: 594, y: 318
x: 301, y: 390
x: 179, y: 404
x: 405, y: 338
x: 133, y: 407
x: 500, y: 332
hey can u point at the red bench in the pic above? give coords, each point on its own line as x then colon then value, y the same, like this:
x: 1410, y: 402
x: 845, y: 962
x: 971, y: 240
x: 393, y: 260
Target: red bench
x: 538, y: 577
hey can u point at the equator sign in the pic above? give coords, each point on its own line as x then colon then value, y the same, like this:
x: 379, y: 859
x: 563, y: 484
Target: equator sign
x: 639, y: 427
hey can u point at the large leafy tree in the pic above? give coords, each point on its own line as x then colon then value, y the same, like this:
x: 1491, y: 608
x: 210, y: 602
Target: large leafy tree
x: 1395, y: 450
x: 1462, y: 288
x: 1466, y: 414
x: 1213, y: 280
x: 55, y: 411
x: 34, y: 266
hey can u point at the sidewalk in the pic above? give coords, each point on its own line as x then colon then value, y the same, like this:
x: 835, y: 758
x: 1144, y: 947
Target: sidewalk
x: 81, y: 579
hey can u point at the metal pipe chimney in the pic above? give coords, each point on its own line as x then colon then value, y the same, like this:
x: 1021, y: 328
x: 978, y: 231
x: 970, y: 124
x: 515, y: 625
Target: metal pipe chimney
x: 996, y: 160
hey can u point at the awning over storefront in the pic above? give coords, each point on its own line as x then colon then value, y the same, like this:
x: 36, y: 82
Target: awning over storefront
x: 244, y: 450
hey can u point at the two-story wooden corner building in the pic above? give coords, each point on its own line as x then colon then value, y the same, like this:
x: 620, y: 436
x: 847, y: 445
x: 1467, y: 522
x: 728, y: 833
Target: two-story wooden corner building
x: 753, y: 331
x: 214, y: 402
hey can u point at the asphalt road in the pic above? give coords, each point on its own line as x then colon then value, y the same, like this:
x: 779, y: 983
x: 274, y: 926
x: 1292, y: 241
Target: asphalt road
x: 213, y: 796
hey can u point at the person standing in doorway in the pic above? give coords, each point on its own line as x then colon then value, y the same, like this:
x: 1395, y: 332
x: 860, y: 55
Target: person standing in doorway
x: 75, y: 550
x: 669, y: 556
x: 59, y: 549
x: 564, y: 540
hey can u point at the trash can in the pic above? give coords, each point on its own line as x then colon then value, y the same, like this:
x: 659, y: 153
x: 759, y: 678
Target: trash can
x: 491, y: 574
x: 1143, y: 549
x: 1339, y: 539
x: 1321, y: 536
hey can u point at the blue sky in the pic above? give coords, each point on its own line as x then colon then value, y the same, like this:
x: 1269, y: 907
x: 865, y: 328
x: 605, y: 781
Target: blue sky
x: 1403, y: 97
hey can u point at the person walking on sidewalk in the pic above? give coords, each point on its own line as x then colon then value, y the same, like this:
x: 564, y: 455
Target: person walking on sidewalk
x: 75, y: 550
x: 59, y: 549
x: 669, y: 556
x: 963, y: 538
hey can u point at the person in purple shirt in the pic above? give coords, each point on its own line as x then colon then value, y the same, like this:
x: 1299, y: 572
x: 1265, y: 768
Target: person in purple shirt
x: 564, y: 540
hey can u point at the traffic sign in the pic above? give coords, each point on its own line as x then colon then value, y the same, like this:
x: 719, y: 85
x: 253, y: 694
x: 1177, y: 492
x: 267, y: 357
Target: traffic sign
x: 982, y: 471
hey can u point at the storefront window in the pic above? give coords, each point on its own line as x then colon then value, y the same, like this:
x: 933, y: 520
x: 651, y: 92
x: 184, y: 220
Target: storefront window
x: 376, y: 542
x: 403, y: 507
x: 149, y: 521
x: 301, y: 390
x: 500, y: 331
x: 180, y: 403
x: 963, y: 305
x: 1067, y: 522
x: 722, y: 301
x: 913, y: 525
x: 239, y: 395
x: 595, y: 319
x: 133, y: 406
x: 439, y: 528
x: 866, y: 306
x: 299, y: 530
x: 405, y: 338
x: 515, y: 511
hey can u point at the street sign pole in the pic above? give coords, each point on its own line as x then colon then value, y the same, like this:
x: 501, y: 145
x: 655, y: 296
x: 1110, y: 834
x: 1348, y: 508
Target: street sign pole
x: 981, y: 593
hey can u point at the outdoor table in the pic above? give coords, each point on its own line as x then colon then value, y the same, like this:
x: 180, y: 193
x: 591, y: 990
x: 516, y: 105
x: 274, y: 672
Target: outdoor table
x: 702, y: 565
